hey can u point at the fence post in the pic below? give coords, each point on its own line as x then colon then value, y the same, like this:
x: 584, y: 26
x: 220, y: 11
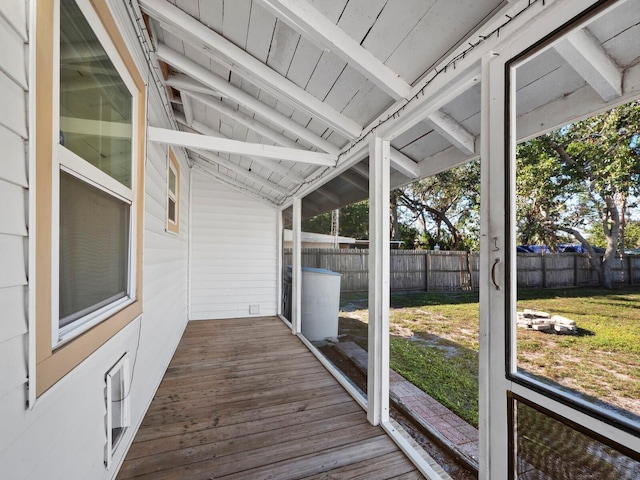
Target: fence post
x: 575, y: 269
x: 544, y: 270
x: 470, y: 270
x: 630, y: 269
x: 427, y: 272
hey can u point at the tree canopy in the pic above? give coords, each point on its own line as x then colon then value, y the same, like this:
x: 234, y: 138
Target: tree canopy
x: 445, y: 207
x: 584, y: 174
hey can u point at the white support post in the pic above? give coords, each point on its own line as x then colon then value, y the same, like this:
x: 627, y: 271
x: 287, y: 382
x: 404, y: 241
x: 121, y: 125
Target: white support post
x: 296, y: 268
x: 493, y: 426
x: 378, y: 367
x: 279, y: 262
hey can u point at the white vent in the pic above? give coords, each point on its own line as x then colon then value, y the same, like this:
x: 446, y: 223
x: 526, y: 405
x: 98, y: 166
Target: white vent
x: 118, y: 382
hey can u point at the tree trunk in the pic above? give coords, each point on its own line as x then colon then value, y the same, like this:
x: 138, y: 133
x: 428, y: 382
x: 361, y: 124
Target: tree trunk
x: 611, y: 226
x: 395, y: 231
x: 591, y: 254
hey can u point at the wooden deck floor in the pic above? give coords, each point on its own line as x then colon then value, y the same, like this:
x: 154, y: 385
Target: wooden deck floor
x: 244, y: 398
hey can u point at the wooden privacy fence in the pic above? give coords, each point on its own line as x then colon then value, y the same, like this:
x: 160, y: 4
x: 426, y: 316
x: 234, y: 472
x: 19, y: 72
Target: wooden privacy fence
x: 446, y: 271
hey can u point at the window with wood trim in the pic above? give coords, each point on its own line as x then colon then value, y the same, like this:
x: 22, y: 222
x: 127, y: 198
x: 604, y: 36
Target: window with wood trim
x: 89, y: 169
x: 173, y: 193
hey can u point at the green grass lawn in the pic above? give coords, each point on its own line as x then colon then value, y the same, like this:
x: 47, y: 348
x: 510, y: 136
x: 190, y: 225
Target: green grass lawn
x: 434, y: 344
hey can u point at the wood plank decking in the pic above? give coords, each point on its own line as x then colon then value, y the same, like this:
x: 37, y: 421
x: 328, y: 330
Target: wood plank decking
x: 244, y: 398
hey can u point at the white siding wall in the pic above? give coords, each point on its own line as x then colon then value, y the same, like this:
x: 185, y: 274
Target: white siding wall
x: 64, y: 435
x: 233, y: 248
x: 13, y: 221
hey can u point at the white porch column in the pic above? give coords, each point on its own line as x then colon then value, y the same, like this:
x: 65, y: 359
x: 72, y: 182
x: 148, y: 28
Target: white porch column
x: 378, y: 368
x: 279, y: 261
x: 296, y: 268
x: 493, y: 386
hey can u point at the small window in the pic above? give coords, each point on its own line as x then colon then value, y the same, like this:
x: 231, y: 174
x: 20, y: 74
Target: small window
x: 173, y: 194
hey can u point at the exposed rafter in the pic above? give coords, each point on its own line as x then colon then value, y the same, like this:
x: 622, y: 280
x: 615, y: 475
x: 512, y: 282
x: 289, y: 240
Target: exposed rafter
x: 213, y: 81
x: 247, y: 121
x: 443, y: 91
x: 264, y: 162
x: 332, y: 197
x: 355, y: 180
x: 188, y: 109
x: 565, y: 109
x: 443, y: 161
x: 194, y: 140
x: 243, y: 172
x: 399, y: 161
x: 587, y: 57
x: 180, y: 81
x: 363, y: 170
x: 308, y: 21
x: 403, y: 164
x: 245, y: 65
x: 453, y: 131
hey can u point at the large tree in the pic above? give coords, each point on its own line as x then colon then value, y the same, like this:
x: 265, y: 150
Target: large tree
x: 583, y: 173
x: 446, y: 206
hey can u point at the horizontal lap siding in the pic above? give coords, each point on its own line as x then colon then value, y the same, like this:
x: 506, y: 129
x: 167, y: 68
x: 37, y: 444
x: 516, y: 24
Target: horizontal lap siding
x: 233, y: 249
x: 13, y: 227
x: 64, y: 435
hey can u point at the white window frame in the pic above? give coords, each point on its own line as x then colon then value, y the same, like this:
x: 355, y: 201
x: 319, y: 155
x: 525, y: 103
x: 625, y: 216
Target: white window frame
x: 67, y: 161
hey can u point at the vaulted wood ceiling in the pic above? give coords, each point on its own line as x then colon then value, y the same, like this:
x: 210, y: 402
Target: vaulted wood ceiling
x: 268, y: 93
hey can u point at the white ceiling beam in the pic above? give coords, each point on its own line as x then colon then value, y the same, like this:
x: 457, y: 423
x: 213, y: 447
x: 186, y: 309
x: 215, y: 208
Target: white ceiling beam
x: 204, y: 142
x: 180, y: 81
x: 247, y: 121
x: 577, y: 105
x: 213, y: 81
x: 403, y: 164
x: 303, y: 17
x: 188, y: 108
x: 355, y: 180
x: 247, y: 66
x: 263, y: 162
x: 444, y: 91
x: 332, y: 197
x: 443, y: 161
x: 399, y: 161
x: 586, y: 56
x: 243, y: 172
x: 453, y: 132
x: 361, y: 169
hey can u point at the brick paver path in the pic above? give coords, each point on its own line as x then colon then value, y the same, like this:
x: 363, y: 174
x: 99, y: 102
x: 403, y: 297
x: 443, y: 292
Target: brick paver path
x: 452, y: 430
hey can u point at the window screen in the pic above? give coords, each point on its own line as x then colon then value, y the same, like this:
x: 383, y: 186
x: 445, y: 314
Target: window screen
x: 94, y: 248
x: 550, y: 449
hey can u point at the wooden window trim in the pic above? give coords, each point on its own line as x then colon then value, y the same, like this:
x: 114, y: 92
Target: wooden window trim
x: 52, y: 365
x: 173, y: 226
